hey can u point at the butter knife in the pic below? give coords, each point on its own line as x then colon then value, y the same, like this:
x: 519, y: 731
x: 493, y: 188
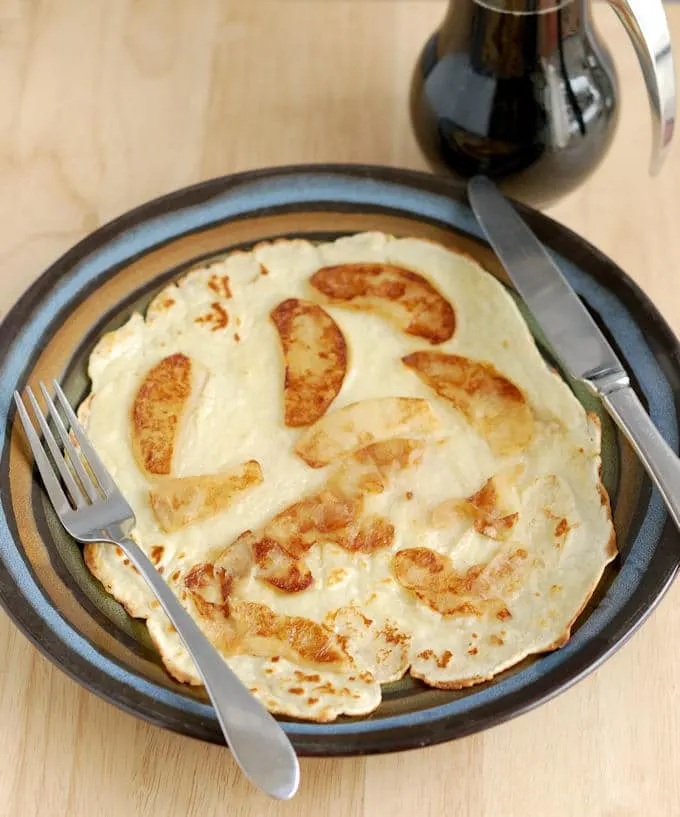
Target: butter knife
x: 573, y: 334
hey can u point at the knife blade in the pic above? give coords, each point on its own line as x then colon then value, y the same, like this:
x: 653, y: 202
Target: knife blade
x: 572, y: 332
x: 567, y: 324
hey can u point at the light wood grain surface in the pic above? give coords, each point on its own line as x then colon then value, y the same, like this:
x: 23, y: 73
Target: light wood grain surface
x: 106, y: 103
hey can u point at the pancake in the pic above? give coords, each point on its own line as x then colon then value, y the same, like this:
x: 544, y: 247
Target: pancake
x: 350, y: 462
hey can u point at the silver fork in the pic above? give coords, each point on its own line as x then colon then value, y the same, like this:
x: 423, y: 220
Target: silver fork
x: 98, y: 512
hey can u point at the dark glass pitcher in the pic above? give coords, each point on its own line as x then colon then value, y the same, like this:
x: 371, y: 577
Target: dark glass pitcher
x: 524, y: 91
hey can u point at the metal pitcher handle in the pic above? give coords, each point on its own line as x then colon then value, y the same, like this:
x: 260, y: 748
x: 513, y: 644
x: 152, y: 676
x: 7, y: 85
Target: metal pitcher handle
x: 646, y: 24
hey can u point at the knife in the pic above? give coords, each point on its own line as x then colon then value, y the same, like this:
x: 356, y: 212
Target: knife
x: 573, y: 334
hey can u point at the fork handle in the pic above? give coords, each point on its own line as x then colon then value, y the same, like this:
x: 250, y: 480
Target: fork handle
x: 259, y: 745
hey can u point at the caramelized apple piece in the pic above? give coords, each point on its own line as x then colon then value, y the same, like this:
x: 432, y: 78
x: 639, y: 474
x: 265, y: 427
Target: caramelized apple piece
x: 181, y: 501
x: 493, y: 405
x: 364, y: 423
x: 432, y: 578
x: 261, y: 631
x: 278, y: 568
x: 315, y: 358
x: 403, y: 297
x: 157, y: 410
x: 492, y: 509
x: 392, y: 455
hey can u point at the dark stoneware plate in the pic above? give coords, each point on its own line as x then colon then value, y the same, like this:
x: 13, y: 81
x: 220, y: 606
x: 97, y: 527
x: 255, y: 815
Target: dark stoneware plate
x: 44, y: 585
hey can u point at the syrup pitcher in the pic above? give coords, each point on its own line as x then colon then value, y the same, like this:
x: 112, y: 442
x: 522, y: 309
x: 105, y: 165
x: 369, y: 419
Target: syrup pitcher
x: 525, y: 91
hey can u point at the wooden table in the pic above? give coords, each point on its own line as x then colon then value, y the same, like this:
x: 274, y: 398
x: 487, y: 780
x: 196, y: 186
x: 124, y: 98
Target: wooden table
x: 106, y: 103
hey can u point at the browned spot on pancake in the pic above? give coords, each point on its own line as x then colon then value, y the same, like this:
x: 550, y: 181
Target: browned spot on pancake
x: 432, y: 578
x: 403, y: 297
x: 490, y: 402
x: 119, y: 552
x: 562, y: 527
x: 612, y: 548
x: 315, y: 360
x: 168, y: 302
x: 183, y: 501
x: 503, y: 614
x: 473, y: 651
x: 312, y: 679
x: 275, y: 658
x: 277, y: 568
x: 312, y: 701
x: 156, y: 553
x: 237, y: 337
x: 296, y: 691
x: 497, y: 641
x: 392, y: 635
x: 263, y: 270
x: 426, y: 655
x: 444, y: 658
x: 505, y: 566
x: 216, y: 319
x: 408, y: 495
x: 157, y: 410
x: 175, y: 575
x: 219, y: 284
x: 336, y: 576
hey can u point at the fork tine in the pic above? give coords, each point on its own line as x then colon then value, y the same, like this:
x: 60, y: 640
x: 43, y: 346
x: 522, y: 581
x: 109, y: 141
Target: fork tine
x: 69, y: 448
x: 66, y: 475
x: 100, y: 471
x: 54, y: 490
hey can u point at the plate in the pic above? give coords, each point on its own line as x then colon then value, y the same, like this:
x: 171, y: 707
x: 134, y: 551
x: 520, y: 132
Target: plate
x: 51, y: 596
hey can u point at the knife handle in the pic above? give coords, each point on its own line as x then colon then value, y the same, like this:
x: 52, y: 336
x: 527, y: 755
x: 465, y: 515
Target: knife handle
x: 659, y: 459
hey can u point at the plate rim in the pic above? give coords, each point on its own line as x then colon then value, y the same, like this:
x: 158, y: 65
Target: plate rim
x: 38, y: 630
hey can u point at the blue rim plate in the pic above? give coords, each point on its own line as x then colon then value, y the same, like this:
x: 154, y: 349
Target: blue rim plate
x: 44, y: 585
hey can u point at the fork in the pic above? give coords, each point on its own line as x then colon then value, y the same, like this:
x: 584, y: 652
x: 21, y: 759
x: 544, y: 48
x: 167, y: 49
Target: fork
x: 96, y: 511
